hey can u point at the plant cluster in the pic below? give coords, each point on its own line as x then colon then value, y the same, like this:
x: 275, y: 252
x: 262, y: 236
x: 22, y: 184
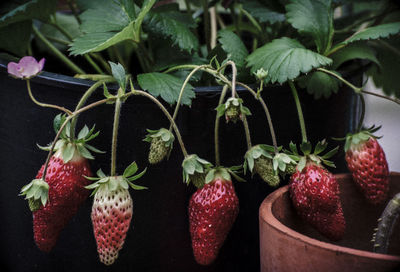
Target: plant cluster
x: 296, y: 42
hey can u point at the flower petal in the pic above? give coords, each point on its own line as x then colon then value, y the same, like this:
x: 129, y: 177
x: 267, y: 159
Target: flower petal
x: 28, y: 66
x: 13, y: 69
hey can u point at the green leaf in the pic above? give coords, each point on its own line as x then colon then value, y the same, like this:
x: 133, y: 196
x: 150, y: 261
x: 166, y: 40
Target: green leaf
x: 118, y: 73
x: 130, y: 170
x: 262, y: 13
x: 351, y: 52
x: 321, y: 84
x: 83, y: 133
x: 233, y: 46
x: 135, y: 177
x: 374, y: 32
x: 105, y: 17
x: 15, y: 38
x: 285, y: 59
x: 35, y: 9
x: 314, y: 18
x: 84, y: 152
x: 220, y: 110
x: 175, y: 26
x: 98, y: 41
x: 166, y: 86
x: 68, y: 153
x: 386, y: 76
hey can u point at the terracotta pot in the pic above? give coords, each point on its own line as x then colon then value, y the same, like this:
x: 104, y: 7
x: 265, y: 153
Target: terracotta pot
x: 289, y: 244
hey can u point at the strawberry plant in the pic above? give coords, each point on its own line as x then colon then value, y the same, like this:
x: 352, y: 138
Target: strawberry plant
x: 162, y: 50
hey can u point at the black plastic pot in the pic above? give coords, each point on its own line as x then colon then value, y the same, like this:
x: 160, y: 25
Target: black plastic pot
x: 159, y: 238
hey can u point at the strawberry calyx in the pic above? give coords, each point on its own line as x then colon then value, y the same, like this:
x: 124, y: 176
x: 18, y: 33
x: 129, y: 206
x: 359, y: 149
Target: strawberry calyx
x: 161, y: 144
x: 224, y: 173
x: 113, y: 183
x: 37, y: 193
x: 263, y: 160
x: 360, y: 137
x: 233, y: 109
x: 195, y: 170
x: 310, y: 156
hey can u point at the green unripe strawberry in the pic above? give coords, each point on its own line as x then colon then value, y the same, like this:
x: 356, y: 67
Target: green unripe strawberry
x: 161, y: 142
x: 158, y: 150
x: 263, y: 167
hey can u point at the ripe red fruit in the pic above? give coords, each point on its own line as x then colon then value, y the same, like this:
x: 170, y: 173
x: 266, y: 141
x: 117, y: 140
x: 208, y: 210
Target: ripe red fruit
x: 367, y: 162
x: 315, y: 195
x: 212, y: 211
x: 66, y: 193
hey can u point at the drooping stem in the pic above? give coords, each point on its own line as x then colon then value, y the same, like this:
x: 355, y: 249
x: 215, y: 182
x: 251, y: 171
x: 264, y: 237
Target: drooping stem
x: 267, y: 114
x: 166, y: 113
x: 299, y: 111
x: 57, y: 52
x: 216, y: 128
x: 206, y: 16
x: 386, y: 225
x: 114, y: 141
x: 28, y: 86
x: 178, y: 103
x: 246, y: 131
x: 82, y: 102
x: 234, y: 74
x: 357, y: 89
x: 213, y: 20
x: 360, y: 123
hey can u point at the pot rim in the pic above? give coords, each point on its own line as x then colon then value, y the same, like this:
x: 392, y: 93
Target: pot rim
x: 265, y: 212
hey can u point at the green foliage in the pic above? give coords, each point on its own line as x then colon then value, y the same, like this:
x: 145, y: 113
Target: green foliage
x: 118, y: 73
x: 320, y: 84
x: 386, y: 75
x: 166, y: 86
x: 353, y: 51
x: 35, y: 9
x: 175, y: 27
x: 262, y: 13
x: 233, y: 46
x: 374, y: 32
x: 15, y: 38
x: 314, y: 18
x: 285, y: 59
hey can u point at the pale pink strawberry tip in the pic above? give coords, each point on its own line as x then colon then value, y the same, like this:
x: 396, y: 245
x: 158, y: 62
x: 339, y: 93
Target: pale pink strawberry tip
x: 26, y: 68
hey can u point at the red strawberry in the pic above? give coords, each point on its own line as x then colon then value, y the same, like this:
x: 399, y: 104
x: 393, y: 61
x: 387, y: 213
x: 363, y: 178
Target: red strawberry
x: 315, y: 195
x: 366, y: 160
x: 66, y: 193
x: 212, y: 211
x: 111, y: 217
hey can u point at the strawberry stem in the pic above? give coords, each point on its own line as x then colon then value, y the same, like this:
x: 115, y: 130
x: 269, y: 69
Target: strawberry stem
x: 28, y: 85
x: 267, y: 113
x: 216, y: 127
x: 299, y: 111
x: 234, y: 73
x: 82, y: 102
x: 360, y: 123
x: 165, y: 111
x: 178, y: 103
x: 117, y: 114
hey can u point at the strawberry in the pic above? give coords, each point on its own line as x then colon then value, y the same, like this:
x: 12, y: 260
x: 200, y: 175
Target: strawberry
x: 112, y: 211
x: 161, y: 143
x: 63, y: 185
x: 315, y: 195
x: 315, y: 192
x: 233, y: 109
x: 367, y: 162
x: 66, y: 193
x: 212, y: 211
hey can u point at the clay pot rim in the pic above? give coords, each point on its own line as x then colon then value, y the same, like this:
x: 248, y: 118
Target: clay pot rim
x: 265, y: 214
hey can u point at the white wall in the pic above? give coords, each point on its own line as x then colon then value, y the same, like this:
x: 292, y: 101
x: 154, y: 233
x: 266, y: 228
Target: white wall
x: 386, y: 113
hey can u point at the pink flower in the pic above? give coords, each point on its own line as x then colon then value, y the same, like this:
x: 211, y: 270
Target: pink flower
x: 26, y: 68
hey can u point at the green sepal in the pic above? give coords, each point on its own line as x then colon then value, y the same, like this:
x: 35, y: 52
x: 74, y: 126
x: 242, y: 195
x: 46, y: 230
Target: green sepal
x: 192, y: 166
x: 130, y: 170
x: 37, y: 191
x: 162, y: 133
x: 320, y: 147
x: 255, y: 152
x: 306, y: 148
x: 58, y: 121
